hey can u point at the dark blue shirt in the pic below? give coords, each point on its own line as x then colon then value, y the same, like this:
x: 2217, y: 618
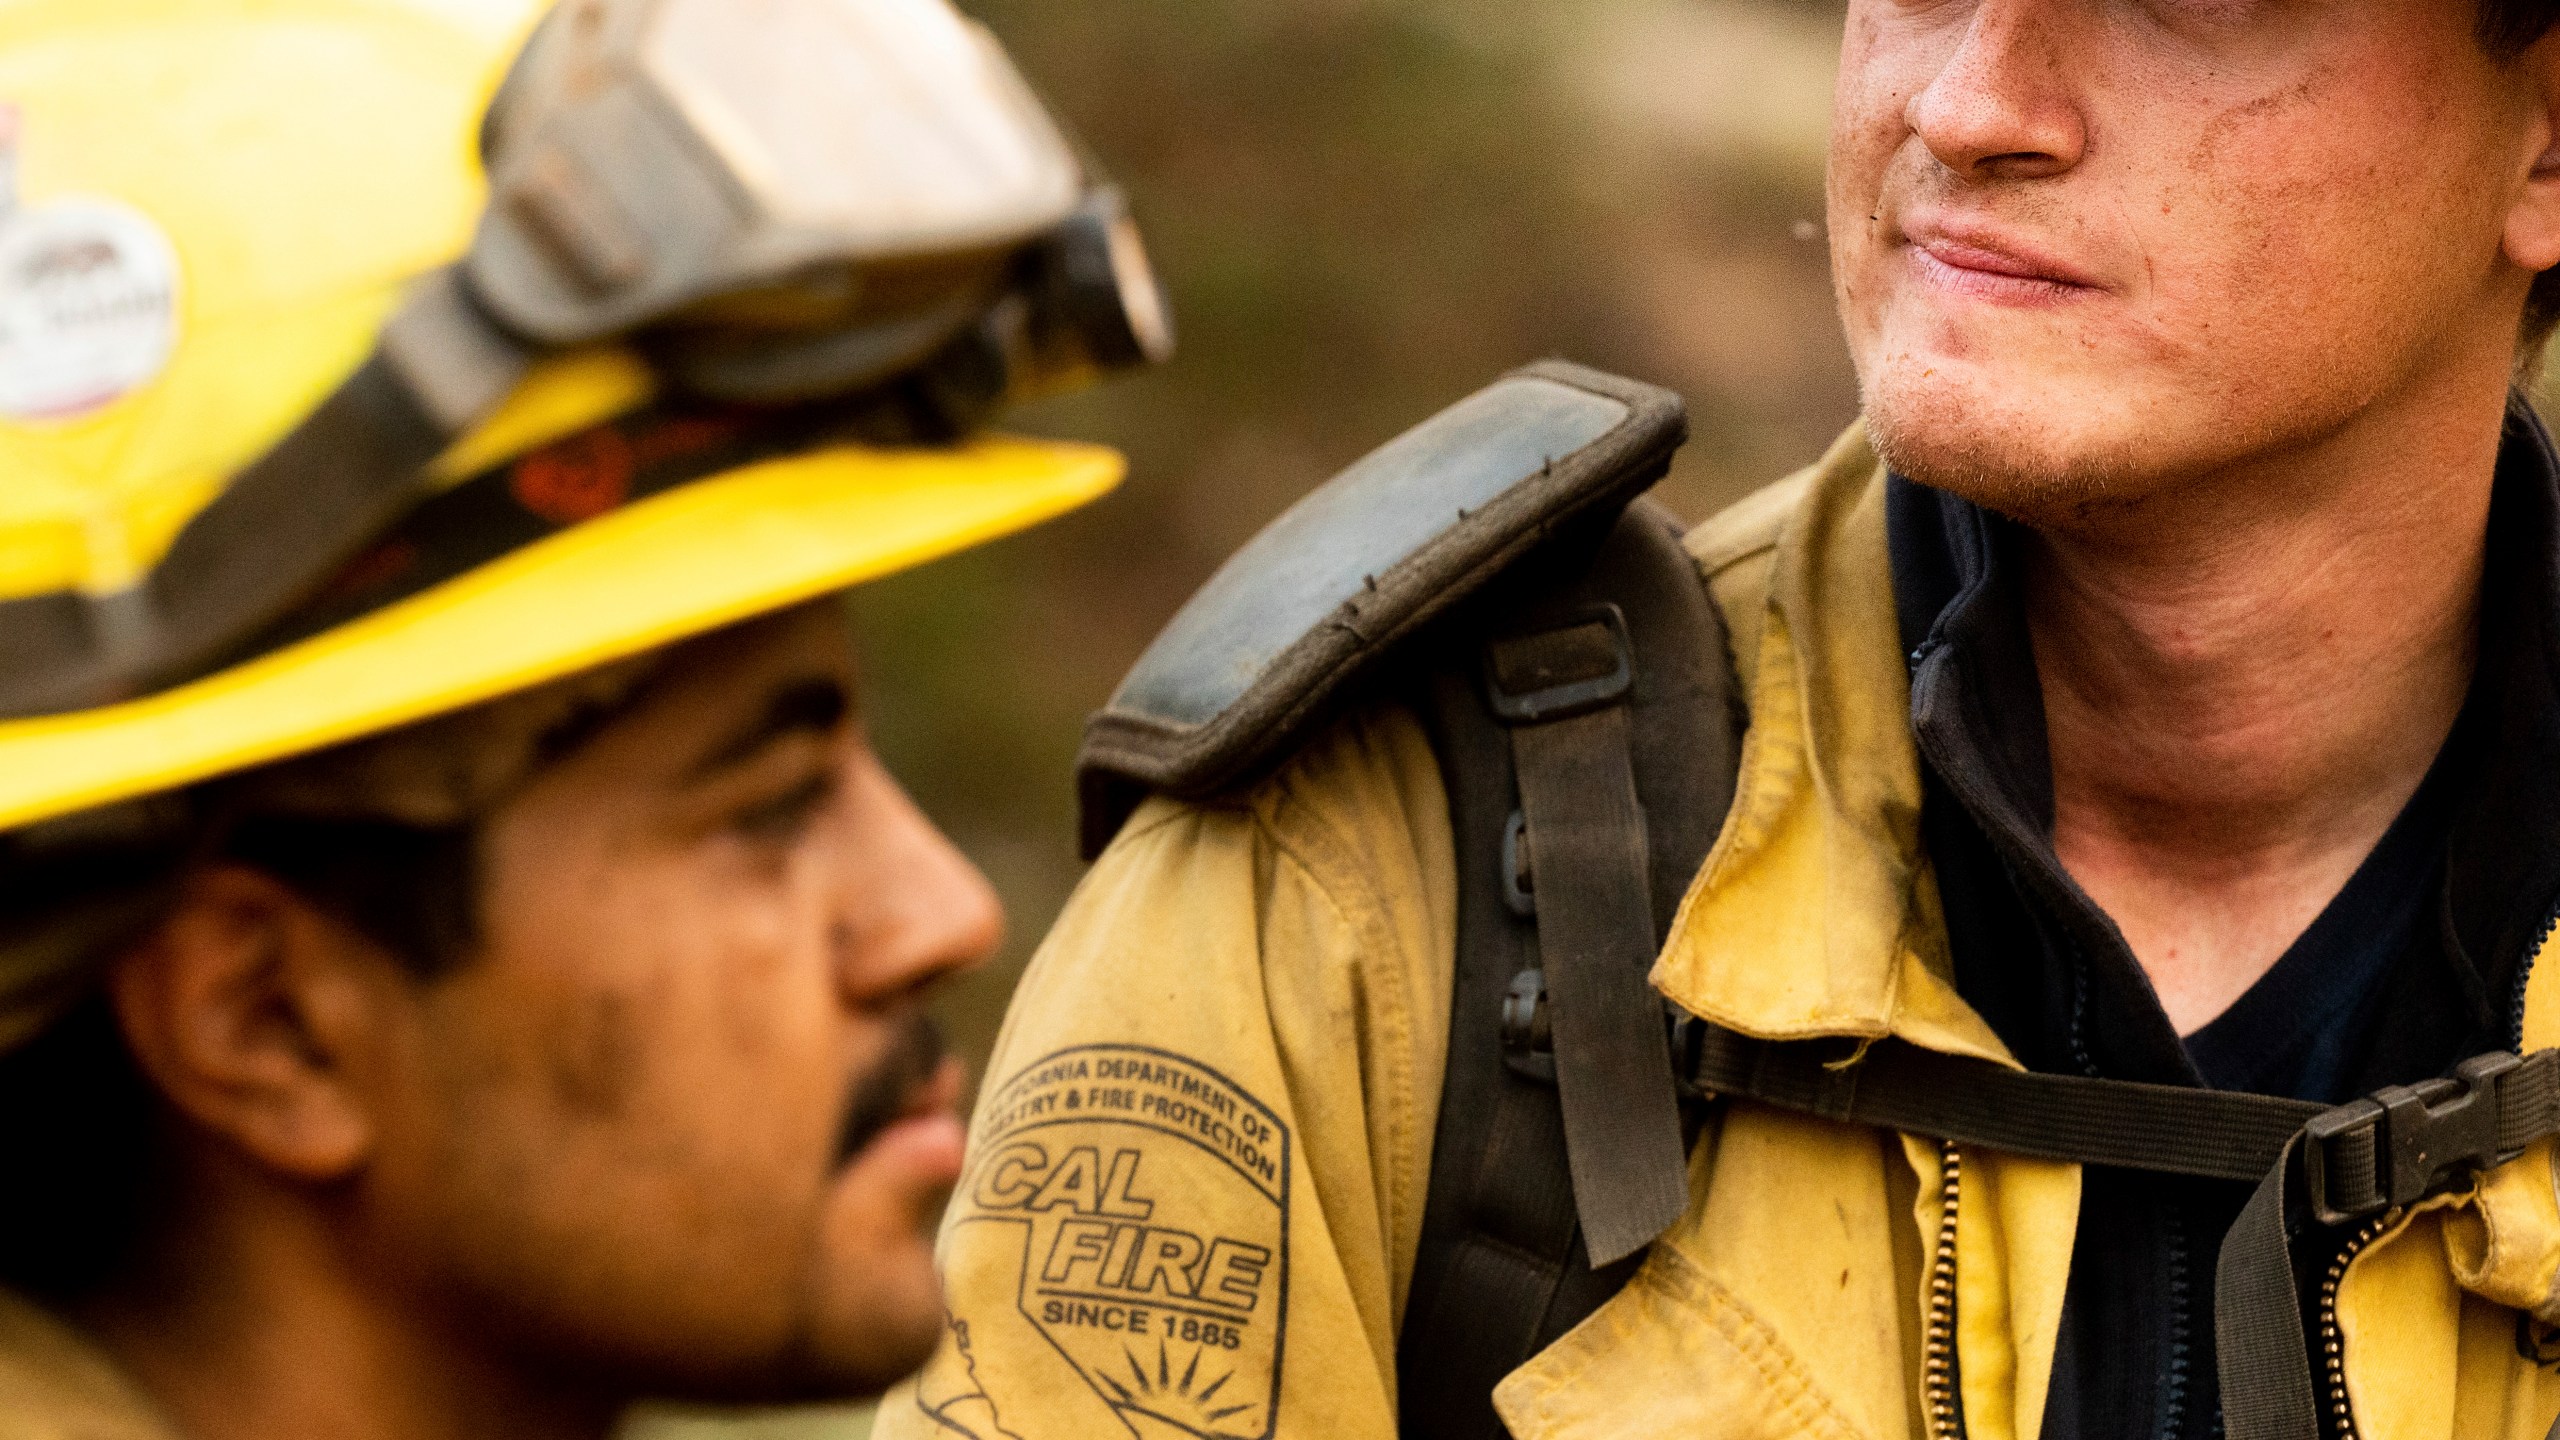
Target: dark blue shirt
x: 2301, y: 1028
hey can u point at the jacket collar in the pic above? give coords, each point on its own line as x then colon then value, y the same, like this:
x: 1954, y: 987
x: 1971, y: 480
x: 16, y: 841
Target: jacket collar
x: 1814, y: 914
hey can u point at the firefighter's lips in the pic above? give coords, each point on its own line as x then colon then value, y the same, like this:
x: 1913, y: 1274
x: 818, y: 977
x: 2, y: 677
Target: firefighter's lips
x: 1979, y: 259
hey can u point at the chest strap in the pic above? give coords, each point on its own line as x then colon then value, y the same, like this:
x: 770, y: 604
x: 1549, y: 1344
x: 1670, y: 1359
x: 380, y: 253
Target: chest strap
x: 2359, y: 1158
x: 2312, y: 1163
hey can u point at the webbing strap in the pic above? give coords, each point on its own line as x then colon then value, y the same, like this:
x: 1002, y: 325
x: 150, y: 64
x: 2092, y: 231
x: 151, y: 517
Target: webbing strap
x: 281, y: 526
x: 2220, y: 1134
x: 2311, y: 1162
x: 2257, y: 1320
x: 1563, y: 693
x: 1500, y: 1271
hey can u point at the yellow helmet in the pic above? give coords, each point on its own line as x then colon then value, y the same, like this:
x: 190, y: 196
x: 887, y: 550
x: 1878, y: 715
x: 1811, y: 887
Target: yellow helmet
x: 210, y: 210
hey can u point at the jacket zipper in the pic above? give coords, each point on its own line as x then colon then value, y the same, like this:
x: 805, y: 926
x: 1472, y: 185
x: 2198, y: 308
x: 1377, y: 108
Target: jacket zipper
x: 2524, y: 972
x: 1939, y: 1372
x: 2173, y: 1404
x: 2333, y: 1342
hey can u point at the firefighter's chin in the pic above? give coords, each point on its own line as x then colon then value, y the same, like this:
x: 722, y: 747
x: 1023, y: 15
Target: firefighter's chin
x: 879, y: 1303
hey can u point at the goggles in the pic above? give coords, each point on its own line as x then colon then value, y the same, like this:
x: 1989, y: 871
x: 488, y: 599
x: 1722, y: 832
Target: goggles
x: 838, y: 219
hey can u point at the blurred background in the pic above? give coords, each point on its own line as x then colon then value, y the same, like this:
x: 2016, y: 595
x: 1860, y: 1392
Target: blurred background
x: 1363, y: 210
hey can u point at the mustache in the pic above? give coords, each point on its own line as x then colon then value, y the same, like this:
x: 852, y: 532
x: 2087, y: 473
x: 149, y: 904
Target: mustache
x: 890, y: 1088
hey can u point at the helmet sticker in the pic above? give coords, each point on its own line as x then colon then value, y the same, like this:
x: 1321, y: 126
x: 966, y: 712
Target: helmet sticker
x: 88, y: 298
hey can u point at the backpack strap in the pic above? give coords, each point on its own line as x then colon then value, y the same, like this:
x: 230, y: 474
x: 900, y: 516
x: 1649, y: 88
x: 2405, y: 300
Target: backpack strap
x: 1562, y: 690
x: 1504, y: 1267
x: 1491, y: 549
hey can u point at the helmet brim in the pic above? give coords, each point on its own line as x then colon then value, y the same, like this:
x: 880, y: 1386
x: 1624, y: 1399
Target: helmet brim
x: 716, y: 551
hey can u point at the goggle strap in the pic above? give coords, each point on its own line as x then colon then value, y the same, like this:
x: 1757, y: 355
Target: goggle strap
x: 561, y: 485
x: 281, y: 527
x: 456, y: 361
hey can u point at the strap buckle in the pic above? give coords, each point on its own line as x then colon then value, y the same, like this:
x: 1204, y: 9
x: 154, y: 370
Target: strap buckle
x: 1528, y: 1028
x: 2394, y: 1147
x: 1689, y: 1037
x: 1581, y: 663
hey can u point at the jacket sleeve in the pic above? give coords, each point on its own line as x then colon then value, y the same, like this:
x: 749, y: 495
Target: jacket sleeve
x: 1197, y: 1166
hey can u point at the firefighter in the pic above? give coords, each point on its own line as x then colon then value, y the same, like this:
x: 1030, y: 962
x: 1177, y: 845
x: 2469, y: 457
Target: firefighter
x: 2112, y: 1003
x: 461, y: 966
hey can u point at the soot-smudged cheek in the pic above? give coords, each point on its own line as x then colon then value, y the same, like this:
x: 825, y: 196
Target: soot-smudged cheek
x: 595, y: 1056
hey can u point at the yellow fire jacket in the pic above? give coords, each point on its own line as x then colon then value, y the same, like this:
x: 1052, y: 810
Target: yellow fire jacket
x: 1199, y: 1162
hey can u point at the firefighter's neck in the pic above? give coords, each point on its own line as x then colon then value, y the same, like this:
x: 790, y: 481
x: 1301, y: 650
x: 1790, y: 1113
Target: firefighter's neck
x: 260, y: 1313
x: 2245, y: 682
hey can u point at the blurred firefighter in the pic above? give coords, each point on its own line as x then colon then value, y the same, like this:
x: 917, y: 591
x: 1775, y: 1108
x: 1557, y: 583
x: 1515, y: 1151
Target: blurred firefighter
x: 461, y: 967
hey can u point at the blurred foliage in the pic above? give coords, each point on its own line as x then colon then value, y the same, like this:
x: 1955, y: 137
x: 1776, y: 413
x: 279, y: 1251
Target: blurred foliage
x: 1362, y: 210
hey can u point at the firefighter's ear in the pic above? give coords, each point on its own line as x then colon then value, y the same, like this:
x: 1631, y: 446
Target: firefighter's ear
x: 2532, y: 238
x: 258, y: 1018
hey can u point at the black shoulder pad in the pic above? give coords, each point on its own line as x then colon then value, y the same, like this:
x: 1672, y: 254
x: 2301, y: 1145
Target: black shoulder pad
x: 1324, y: 592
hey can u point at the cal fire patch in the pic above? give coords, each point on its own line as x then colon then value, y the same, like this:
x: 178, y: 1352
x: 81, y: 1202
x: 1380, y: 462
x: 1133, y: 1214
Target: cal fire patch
x: 1118, y: 1253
